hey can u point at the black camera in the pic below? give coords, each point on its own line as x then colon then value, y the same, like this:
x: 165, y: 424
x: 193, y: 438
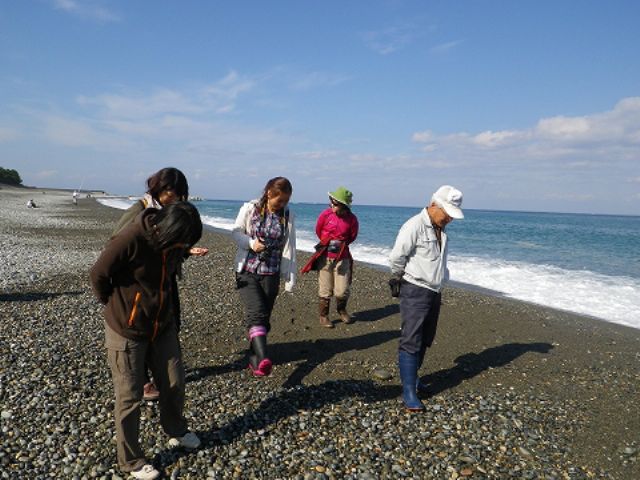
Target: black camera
x: 264, y: 255
x: 334, y: 246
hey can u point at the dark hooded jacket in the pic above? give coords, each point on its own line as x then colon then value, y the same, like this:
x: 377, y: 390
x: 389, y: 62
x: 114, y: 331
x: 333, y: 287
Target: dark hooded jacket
x: 134, y: 281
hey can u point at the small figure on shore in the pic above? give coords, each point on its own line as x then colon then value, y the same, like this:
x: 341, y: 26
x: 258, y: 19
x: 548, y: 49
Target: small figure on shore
x: 336, y: 227
x: 75, y: 197
x: 31, y: 204
x: 133, y: 279
x: 265, y: 234
x: 164, y: 187
x: 419, y: 271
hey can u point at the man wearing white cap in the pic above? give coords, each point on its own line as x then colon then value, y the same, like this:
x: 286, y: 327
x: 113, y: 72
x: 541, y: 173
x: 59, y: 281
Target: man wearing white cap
x: 419, y: 269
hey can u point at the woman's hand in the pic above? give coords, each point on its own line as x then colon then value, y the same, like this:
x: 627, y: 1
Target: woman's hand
x: 258, y: 246
x: 198, y: 251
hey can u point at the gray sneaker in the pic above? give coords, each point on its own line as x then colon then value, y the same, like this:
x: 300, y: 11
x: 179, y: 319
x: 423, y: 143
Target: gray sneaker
x: 189, y: 441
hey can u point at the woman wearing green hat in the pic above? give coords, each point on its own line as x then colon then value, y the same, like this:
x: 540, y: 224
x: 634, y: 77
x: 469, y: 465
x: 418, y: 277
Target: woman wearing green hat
x: 336, y: 228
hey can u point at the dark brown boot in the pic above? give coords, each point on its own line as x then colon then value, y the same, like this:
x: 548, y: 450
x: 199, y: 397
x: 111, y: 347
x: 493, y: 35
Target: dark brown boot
x: 342, y: 310
x: 323, y: 308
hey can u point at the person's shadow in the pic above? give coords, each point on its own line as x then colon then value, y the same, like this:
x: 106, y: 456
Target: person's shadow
x: 35, y: 296
x: 300, y: 398
x: 471, y: 364
x: 376, y: 314
x: 316, y: 352
x: 310, y: 352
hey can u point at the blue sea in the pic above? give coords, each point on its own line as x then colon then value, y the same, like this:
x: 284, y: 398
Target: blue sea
x: 587, y: 264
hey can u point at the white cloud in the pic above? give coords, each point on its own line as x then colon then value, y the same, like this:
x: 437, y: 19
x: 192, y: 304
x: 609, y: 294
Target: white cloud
x: 82, y: 133
x: 391, y: 39
x: 184, y: 122
x: 582, y: 140
x: 423, y: 137
x: 216, y: 98
x: 90, y: 9
x: 559, y: 163
x: 228, y: 89
x: 445, y: 47
x: 491, y: 139
x: 68, y: 132
x: 563, y: 127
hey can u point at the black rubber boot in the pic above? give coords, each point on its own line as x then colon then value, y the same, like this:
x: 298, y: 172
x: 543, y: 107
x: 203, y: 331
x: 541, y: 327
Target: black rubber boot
x: 258, y: 362
x: 259, y: 347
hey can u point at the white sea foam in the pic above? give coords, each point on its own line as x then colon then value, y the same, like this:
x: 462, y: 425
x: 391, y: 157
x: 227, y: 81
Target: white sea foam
x: 116, y: 202
x: 217, y: 222
x: 615, y: 299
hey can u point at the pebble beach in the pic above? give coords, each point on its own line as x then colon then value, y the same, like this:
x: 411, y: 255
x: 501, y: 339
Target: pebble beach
x: 515, y: 390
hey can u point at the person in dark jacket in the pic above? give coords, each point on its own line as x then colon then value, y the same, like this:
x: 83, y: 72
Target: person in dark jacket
x: 164, y: 187
x: 133, y: 279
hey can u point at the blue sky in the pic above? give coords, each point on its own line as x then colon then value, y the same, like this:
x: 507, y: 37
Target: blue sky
x: 528, y: 105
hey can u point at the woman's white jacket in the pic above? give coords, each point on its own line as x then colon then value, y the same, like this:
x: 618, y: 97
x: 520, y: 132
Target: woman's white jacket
x: 244, y: 242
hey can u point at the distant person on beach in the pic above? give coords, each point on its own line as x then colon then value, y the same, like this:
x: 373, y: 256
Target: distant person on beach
x: 336, y: 227
x: 31, y: 204
x: 133, y: 278
x: 75, y: 197
x: 164, y: 187
x: 265, y: 234
x: 419, y: 271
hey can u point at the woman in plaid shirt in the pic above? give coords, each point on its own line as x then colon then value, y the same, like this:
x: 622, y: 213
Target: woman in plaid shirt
x: 265, y: 234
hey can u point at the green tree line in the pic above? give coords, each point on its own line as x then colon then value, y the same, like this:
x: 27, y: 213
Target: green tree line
x: 10, y: 176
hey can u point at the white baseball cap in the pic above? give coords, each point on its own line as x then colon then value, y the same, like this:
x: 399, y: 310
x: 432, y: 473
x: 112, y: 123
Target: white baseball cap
x: 450, y: 200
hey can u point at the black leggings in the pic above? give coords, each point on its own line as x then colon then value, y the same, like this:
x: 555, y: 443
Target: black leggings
x: 258, y: 293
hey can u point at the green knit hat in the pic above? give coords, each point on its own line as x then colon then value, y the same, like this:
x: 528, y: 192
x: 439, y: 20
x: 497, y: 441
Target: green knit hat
x: 342, y: 195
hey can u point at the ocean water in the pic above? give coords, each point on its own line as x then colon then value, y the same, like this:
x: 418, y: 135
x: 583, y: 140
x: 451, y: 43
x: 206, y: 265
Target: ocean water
x: 587, y: 264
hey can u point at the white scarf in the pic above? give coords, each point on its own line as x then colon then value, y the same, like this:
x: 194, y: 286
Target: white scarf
x: 150, y: 202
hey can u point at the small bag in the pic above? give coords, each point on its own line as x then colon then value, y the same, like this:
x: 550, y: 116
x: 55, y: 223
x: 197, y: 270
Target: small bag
x: 394, y: 284
x: 334, y: 246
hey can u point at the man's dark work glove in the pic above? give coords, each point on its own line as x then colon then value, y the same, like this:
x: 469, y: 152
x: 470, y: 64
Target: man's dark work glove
x: 394, y: 284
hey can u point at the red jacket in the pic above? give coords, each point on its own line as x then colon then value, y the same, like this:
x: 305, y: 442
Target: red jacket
x: 332, y: 227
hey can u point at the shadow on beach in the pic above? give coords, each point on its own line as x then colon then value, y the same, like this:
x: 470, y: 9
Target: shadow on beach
x: 297, y: 399
x: 310, y: 352
x: 471, y: 364
x: 376, y: 314
x: 316, y: 352
x: 34, y: 296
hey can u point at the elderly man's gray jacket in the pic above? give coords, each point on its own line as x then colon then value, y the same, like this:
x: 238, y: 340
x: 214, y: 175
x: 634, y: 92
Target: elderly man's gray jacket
x: 417, y: 256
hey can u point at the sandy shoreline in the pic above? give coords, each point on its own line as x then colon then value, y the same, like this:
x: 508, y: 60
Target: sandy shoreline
x: 565, y: 385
